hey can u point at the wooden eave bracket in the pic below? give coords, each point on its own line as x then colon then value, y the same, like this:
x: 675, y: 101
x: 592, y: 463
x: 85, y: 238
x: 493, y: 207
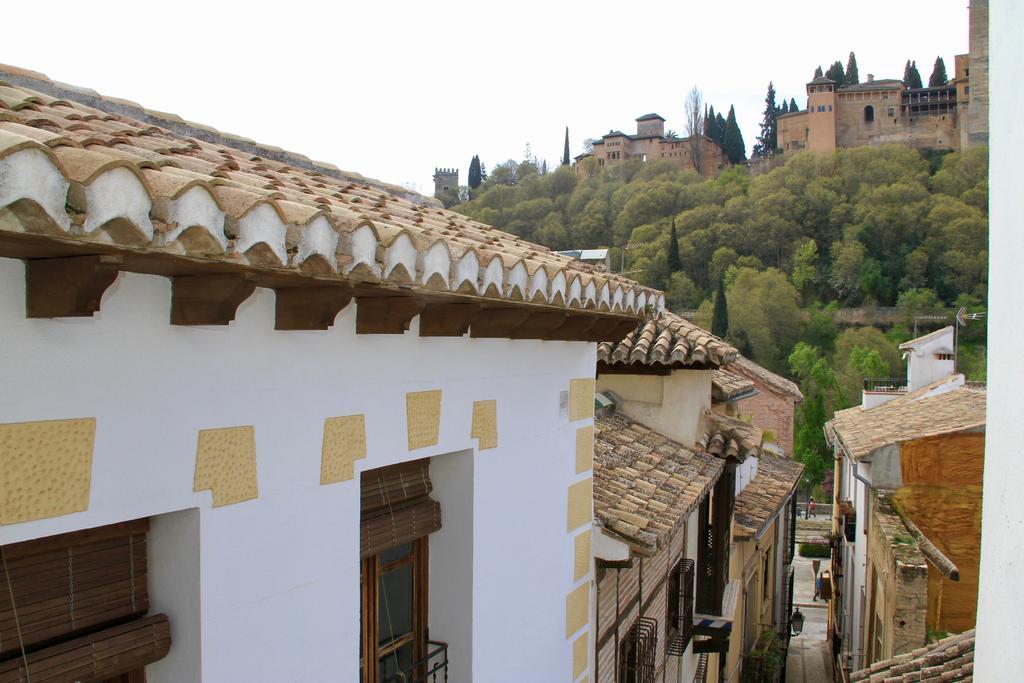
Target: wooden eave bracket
x: 386, y: 314
x: 68, y: 287
x: 309, y: 308
x: 447, y: 319
x: 498, y: 323
x: 210, y: 299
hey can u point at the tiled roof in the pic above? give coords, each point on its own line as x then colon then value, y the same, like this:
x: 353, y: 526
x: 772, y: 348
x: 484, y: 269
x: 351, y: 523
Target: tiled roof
x: 668, y: 341
x: 80, y: 169
x: 765, y: 495
x: 729, y: 437
x: 745, y: 367
x: 644, y: 483
x: 909, y: 558
x: 726, y: 386
x: 916, y: 415
x: 820, y: 80
x: 649, y: 117
x: 950, y: 659
x: 924, y: 339
x: 877, y: 84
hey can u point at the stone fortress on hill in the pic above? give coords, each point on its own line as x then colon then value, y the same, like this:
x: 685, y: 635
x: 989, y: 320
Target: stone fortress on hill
x: 886, y: 111
x: 649, y: 144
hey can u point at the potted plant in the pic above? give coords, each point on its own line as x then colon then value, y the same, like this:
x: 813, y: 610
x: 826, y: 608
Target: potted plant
x: 764, y: 662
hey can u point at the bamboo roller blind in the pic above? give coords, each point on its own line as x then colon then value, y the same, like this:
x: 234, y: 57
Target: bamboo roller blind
x: 396, y: 506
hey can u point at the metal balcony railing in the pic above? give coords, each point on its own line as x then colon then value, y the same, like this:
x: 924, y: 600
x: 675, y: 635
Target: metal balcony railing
x: 433, y: 668
x: 885, y: 384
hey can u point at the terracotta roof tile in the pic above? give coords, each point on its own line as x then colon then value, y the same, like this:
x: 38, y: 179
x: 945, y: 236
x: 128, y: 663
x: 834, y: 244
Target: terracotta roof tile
x: 766, y: 493
x: 670, y: 341
x: 950, y: 659
x: 644, y: 483
x: 726, y: 386
x: 729, y: 437
x: 913, y: 416
x: 366, y: 219
x: 744, y: 367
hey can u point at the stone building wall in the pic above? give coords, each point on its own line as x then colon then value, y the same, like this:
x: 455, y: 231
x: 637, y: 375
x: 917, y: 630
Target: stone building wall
x: 977, y: 109
x: 771, y: 411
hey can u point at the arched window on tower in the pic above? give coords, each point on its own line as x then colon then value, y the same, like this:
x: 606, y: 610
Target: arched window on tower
x: 869, y: 114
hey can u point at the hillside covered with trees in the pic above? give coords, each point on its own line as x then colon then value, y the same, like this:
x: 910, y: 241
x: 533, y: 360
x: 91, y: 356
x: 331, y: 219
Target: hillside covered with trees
x: 886, y: 226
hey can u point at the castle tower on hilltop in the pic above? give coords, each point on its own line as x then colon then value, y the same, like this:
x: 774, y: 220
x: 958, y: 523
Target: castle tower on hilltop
x: 445, y: 180
x: 821, y: 102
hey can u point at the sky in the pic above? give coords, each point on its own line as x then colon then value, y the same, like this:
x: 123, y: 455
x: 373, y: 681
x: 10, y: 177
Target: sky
x: 392, y: 90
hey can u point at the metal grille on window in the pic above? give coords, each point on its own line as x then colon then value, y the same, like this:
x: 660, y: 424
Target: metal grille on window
x: 639, y: 651
x: 683, y: 576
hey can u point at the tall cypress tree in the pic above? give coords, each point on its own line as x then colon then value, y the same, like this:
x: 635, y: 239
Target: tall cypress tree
x: 911, y: 76
x: 785, y: 107
x: 836, y: 73
x: 475, y: 177
x: 711, y: 124
x: 720, y: 129
x: 735, y: 148
x: 852, y: 74
x: 674, y: 262
x: 938, y: 76
x: 767, y: 141
x: 818, y: 73
x: 793, y: 106
x: 565, y: 151
x: 720, y: 316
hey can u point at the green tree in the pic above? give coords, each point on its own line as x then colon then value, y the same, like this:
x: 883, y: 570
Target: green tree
x: 805, y: 265
x: 681, y: 292
x: 938, y: 76
x: 720, y: 320
x: 674, y: 263
x: 852, y: 73
x: 850, y: 374
x: 818, y: 385
x: 911, y: 76
x: 711, y: 123
x: 915, y: 302
x: 767, y: 141
x: 565, y: 150
x: 474, y: 173
x: 793, y: 106
x: 784, y: 109
x: 847, y: 260
x: 735, y: 149
x: 763, y: 310
x: 818, y: 73
x: 836, y: 73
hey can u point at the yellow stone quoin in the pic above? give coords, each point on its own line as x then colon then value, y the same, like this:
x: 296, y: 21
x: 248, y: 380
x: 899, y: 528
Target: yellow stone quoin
x: 580, y: 654
x: 577, y: 610
x: 581, y: 497
x: 485, y: 424
x: 423, y: 418
x: 581, y: 556
x: 584, y: 449
x: 344, y: 443
x: 226, y: 464
x: 581, y: 399
x: 45, y: 468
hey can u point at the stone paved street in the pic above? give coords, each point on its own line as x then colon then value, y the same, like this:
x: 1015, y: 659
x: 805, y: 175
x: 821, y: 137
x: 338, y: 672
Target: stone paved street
x: 809, y: 660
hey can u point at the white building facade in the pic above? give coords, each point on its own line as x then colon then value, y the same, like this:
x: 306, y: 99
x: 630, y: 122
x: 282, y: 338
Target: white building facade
x: 315, y: 349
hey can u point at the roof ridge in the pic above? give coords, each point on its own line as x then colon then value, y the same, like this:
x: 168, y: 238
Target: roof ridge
x: 179, y: 126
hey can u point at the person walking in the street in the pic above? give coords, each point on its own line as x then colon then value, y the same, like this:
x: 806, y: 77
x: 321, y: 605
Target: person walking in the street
x: 810, y: 508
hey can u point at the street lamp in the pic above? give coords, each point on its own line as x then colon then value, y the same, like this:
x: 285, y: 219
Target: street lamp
x: 797, y: 621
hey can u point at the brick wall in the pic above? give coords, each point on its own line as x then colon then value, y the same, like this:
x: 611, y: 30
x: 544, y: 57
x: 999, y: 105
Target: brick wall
x: 771, y: 411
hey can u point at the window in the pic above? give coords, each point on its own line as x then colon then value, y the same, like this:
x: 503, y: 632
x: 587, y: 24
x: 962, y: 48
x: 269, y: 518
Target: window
x: 680, y: 607
x: 394, y: 623
x: 944, y: 356
x: 397, y: 514
x: 637, y: 652
x: 967, y: 90
x: 869, y: 114
x: 890, y: 112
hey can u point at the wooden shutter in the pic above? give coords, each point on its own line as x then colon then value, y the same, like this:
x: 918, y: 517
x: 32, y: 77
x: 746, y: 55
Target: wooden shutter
x: 396, y: 506
x: 71, y: 584
x: 102, y: 655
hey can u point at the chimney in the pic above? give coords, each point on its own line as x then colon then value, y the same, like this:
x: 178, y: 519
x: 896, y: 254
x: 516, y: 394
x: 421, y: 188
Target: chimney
x: 871, y: 77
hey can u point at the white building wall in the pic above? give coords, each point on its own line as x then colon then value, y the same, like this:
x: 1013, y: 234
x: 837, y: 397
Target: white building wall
x: 999, y: 656
x: 279, y: 595
x: 672, y: 405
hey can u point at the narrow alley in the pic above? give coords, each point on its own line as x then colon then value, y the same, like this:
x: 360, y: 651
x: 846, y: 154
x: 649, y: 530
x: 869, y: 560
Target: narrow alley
x: 809, y: 660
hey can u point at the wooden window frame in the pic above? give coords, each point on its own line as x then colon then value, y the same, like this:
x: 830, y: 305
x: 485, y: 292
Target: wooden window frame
x: 371, y: 651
